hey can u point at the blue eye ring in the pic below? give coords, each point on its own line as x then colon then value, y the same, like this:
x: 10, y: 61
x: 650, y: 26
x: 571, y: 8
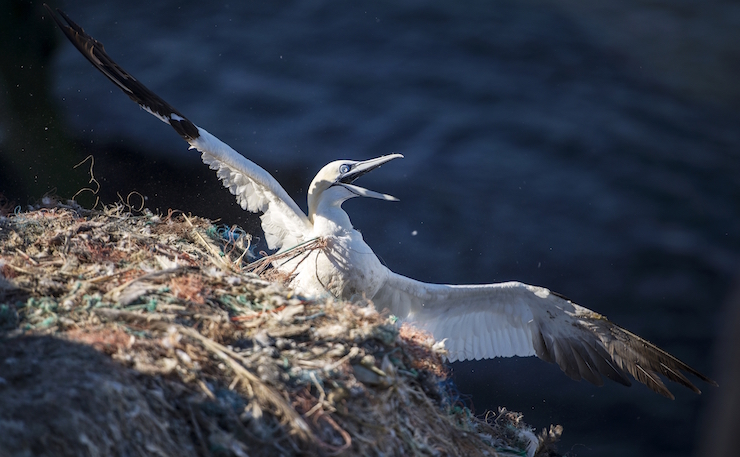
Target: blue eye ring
x: 344, y: 168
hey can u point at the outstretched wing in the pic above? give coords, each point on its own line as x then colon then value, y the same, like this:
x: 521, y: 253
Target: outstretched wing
x: 514, y: 319
x: 255, y: 189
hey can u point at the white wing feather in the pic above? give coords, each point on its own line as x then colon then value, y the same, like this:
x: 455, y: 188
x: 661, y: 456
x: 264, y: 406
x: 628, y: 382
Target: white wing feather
x: 514, y: 319
x: 478, y: 322
x: 283, y: 222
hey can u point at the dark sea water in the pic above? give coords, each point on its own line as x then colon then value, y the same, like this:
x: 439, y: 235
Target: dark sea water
x: 534, y: 152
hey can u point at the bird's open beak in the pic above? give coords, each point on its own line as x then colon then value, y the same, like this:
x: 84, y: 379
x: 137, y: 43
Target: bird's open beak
x: 361, y: 168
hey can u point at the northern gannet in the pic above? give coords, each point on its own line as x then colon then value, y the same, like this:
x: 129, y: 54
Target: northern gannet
x: 474, y: 321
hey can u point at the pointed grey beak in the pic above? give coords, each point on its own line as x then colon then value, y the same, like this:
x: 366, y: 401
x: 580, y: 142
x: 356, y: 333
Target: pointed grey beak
x: 360, y: 168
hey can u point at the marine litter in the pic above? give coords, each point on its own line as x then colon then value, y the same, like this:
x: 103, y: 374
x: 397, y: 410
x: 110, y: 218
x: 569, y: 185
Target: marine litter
x: 125, y: 332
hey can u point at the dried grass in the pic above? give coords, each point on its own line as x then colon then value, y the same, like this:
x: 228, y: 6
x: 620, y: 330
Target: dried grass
x: 127, y: 334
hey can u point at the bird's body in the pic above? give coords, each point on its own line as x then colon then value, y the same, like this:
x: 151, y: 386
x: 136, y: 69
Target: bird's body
x: 345, y: 267
x: 475, y: 321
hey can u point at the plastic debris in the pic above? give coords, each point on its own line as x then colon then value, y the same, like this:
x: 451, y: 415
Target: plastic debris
x: 145, y: 334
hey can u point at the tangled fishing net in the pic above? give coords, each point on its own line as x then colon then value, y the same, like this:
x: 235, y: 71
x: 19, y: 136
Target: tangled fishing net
x: 142, y: 334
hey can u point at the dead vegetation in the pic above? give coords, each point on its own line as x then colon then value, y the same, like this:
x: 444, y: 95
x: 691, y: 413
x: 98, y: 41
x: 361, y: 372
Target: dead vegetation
x: 137, y: 335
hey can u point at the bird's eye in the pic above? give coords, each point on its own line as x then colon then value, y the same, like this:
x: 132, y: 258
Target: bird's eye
x: 344, y: 168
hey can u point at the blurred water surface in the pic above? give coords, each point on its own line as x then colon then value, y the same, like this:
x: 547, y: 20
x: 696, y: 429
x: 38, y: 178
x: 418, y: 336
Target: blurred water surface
x: 534, y: 151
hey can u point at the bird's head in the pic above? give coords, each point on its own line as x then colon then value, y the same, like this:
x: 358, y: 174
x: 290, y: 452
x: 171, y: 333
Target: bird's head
x: 333, y: 184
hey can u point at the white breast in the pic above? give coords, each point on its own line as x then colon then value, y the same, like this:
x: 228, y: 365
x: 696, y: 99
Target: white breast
x: 345, y: 268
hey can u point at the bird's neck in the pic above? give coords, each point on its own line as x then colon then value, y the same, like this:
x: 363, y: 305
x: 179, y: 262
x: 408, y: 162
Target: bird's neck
x: 326, y: 201
x: 330, y: 220
x: 312, y: 207
x: 315, y: 190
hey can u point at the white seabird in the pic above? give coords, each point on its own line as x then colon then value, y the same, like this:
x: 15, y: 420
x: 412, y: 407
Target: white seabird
x: 475, y: 321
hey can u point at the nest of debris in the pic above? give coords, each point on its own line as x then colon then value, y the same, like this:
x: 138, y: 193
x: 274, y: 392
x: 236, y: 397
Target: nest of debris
x: 143, y: 334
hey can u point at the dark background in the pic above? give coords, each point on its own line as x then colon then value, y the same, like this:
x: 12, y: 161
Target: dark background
x: 589, y: 147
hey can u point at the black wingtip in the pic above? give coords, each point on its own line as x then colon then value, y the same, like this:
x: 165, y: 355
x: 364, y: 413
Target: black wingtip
x: 70, y: 25
x: 54, y: 16
x: 95, y: 53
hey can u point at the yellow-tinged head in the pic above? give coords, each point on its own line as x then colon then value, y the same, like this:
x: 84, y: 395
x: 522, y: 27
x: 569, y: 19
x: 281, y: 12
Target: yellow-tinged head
x: 333, y: 183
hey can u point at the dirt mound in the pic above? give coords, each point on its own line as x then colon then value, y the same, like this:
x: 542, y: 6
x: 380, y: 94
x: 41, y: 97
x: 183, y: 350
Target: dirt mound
x: 133, y: 335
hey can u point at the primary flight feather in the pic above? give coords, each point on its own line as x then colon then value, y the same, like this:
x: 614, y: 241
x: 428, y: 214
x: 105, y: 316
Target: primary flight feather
x: 475, y: 321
